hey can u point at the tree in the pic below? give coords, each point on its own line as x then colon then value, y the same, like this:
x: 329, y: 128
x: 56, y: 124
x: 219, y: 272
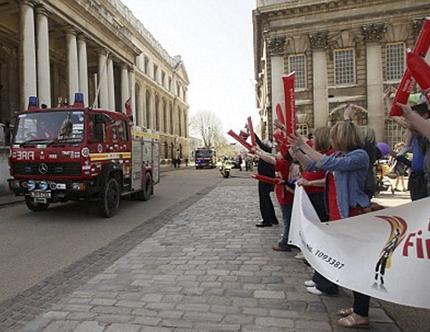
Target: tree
x: 208, y: 126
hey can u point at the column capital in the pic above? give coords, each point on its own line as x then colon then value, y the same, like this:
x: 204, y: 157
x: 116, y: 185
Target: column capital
x: 276, y: 45
x: 70, y: 30
x: 80, y: 36
x: 373, y: 32
x: 41, y: 10
x: 30, y: 3
x: 102, y: 51
x: 319, y: 40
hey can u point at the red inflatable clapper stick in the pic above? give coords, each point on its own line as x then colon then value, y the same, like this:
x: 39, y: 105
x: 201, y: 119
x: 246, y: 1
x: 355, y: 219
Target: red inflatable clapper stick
x: 279, y: 114
x: 290, y: 103
x: 407, y: 83
x: 251, y: 131
x: 420, y: 71
x: 239, y: 139
x: 267, y: 179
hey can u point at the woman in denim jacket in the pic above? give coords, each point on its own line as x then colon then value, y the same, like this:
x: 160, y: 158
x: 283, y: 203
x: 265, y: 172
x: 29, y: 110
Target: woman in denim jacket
x: 346, y: 172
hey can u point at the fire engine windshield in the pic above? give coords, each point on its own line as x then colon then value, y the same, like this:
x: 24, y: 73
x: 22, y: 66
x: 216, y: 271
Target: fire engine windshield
x: 49, y: 127
x: 204, y: 153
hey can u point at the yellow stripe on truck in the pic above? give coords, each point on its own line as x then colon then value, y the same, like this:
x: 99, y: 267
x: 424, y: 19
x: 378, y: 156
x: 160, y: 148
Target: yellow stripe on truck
x: 109, y: 156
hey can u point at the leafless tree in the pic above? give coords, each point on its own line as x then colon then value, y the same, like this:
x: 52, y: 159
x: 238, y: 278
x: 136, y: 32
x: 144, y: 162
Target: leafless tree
x: 207, y: 125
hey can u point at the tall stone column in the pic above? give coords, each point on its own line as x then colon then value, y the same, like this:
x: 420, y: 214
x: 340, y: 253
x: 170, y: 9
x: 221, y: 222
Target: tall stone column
x: 28, y: 52
x: 125, y: 92
x: 111, y: 83
x: 83, y: 67
x: 319, y: 43
x: 72, y: 64
x: 373, y: 34
x: 276, y: 47
x: 132, y: 83
x: 43, y: 66
x: 103, y: 81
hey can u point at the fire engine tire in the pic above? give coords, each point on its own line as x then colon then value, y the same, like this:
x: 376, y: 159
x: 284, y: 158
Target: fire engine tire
x: 147, y: 189
x: 35, y: 207
x: 110, y: 198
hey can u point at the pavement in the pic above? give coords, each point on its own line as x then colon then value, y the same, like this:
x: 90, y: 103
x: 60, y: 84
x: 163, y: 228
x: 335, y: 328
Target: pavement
x: 207, y: 268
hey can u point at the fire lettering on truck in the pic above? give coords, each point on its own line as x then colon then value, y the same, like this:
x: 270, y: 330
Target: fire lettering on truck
x: 24, y: 155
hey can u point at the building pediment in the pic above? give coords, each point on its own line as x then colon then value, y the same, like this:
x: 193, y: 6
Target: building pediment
x: 181, y: 71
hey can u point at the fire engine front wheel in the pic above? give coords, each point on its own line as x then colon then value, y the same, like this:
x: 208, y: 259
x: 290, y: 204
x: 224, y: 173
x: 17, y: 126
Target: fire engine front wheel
x: 35, y: 207
x: 109, y: 202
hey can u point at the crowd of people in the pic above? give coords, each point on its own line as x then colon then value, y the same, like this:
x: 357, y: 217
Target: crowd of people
x: 335, y: 166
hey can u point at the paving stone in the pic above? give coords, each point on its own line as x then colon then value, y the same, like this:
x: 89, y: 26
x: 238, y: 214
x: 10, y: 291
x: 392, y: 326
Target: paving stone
x: 61, y: 326
x: 36, y: 325
x: 269, y: 294
x: 275, y: 322
x: 203, y: 316
x: 90, y: 326
x: 123, y: 328
x: 147, y: 321
x: 55, y: 315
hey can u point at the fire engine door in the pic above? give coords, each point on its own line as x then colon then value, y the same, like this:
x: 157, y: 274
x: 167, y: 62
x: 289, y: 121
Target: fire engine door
x: 136, y: 168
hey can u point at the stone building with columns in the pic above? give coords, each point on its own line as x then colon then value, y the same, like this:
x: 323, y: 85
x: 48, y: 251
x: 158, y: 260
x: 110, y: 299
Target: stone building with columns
x: 343, y: 52
x: 54, y: 48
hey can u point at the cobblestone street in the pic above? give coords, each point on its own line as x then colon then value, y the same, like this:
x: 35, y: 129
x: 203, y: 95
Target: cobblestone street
x: 208, y: 269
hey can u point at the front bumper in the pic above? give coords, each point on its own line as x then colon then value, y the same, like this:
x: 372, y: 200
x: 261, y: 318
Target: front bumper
x: 54, y: 191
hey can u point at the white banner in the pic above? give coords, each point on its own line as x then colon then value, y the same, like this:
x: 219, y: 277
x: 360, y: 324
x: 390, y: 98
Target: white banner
x: 384, y: 254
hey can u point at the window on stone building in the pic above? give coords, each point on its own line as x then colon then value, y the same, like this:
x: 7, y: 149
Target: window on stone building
x: 155, y: 72
x: 297, y: 63
x: 395, y: 59
x: 163, y: 78
x: 303, y: 129
x: 344, y: 67
x: 169, y: 87
x: 146, y: 64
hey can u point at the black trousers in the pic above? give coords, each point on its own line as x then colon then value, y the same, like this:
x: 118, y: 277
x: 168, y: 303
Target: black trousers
x: 361, y: 304
x: 266, y: 206
x: 325, y: 285
x: 317, y: 200
x: 417, y: 185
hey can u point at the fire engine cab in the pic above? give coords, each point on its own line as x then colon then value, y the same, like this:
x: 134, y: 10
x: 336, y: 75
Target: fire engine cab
x: 78, y: 153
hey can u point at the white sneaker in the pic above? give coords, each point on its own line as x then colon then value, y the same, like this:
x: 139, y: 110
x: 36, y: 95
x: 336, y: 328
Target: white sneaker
x: 314, y: 291
x: 310, y: 283
x: 300, y: 256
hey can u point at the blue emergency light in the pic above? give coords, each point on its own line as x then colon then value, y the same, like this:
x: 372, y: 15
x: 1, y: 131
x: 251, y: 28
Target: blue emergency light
x: 79, y: 99
x: 33, y: 102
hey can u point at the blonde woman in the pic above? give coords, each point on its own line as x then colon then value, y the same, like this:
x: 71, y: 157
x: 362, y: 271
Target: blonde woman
x: 346, y: 172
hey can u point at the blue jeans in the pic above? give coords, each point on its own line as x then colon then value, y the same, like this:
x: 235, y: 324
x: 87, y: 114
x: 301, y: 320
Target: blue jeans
x: 286, y: 218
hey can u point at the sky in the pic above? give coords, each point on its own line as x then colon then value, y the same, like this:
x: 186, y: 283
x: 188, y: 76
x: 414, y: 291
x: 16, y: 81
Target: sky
x: 215, y: 40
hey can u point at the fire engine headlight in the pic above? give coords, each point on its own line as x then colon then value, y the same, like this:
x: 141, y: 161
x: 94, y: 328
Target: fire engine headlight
x: 43, y: 185
x: 31, y: 185
x: 78, y: 186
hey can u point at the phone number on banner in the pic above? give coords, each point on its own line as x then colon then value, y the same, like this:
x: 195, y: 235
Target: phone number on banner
x: 329, y: 260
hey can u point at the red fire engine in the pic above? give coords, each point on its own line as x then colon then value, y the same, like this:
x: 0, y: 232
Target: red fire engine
x: 78, y: 153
